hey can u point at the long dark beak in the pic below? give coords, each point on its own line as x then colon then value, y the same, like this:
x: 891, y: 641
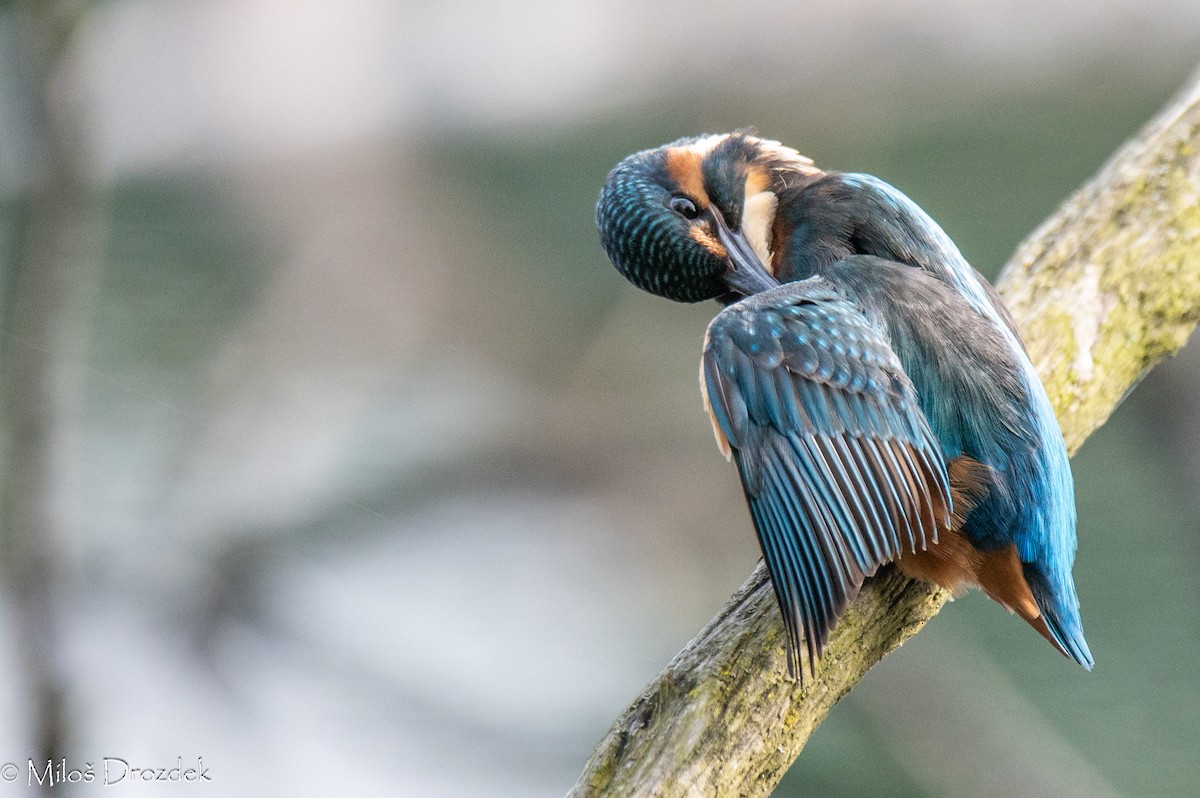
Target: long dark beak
x: 746, y: 274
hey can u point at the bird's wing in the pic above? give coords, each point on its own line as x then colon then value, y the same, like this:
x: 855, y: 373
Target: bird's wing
x: 840, y: 467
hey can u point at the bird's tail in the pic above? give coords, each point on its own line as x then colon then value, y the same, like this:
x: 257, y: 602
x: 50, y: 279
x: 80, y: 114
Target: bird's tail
x: 1059, y: 621
x: 1024, y: 589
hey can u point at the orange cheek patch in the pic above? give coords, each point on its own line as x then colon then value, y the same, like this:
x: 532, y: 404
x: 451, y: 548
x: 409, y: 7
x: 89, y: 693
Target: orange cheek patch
x: 706, y: 240
x: 683, y: 167
x: 757, y: 179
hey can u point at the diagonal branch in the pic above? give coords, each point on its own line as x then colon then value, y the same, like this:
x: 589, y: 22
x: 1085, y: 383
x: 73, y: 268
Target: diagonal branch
x: 1103, y: 290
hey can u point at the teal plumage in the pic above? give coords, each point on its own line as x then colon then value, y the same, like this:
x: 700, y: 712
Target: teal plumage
x: 867, y: 382
x: 798, y: 379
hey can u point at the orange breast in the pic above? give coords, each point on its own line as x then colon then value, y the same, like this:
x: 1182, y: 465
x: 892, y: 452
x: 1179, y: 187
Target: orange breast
x: 953, y: 563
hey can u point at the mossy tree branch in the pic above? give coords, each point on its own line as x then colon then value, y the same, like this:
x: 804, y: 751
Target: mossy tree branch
x: 1102, y: 291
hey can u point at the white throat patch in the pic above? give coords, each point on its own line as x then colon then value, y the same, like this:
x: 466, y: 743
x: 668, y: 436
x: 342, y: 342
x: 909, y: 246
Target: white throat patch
x: 758, y: 217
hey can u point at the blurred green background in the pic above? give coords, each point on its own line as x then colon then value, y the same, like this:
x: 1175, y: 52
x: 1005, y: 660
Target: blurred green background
x: 368, y: 475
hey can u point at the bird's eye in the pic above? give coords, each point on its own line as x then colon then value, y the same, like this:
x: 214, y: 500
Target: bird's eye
x: 684, y: 207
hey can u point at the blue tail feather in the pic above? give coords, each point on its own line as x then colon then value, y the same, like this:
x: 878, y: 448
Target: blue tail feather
x: 1060, y: 610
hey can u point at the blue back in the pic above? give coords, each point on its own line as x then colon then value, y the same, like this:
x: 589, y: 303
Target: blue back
x: 974, y: 380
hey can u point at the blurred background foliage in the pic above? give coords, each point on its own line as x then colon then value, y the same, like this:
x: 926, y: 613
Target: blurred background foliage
x: 370, y: 476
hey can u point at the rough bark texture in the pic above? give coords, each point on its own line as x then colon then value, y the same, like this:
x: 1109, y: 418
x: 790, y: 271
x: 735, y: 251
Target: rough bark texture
x: 1106, y: 288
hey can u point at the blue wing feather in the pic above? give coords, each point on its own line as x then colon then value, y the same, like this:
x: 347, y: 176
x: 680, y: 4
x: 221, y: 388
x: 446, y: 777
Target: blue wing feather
x: 840, y: 467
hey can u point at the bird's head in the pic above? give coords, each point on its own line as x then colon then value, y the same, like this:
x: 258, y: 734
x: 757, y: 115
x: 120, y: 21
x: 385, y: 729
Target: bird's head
x: 693, y: 219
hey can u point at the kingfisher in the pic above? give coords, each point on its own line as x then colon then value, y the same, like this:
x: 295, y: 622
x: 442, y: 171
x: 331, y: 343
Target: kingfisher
x: 868, y: 383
